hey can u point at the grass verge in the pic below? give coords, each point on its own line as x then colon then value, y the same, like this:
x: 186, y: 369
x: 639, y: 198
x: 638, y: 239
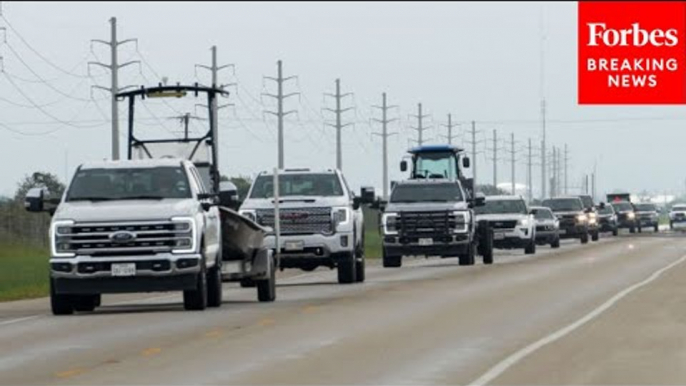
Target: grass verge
x: 23, y: 272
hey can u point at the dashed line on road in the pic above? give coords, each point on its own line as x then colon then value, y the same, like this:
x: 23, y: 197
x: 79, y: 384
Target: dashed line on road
x: 19, y: 320
x: 70, y: 373
x: 148, y: 352
x: 266, y: 322
x: 216, y: 333
x: 516, y: 357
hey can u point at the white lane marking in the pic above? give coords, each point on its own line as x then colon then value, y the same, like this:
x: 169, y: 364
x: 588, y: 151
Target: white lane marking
x: 18, y: 320
x: 513, y: 359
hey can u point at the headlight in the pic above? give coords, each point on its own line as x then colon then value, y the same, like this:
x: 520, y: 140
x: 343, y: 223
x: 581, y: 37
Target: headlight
x: 462, y: 219
x: 341, y: 216
x: 186, y: 235
x: 388, y: 222
x: 631, y: 215
x: 249, y: 214
x: 60, y: 240
x: 581, y: 218
x: 524, y: 222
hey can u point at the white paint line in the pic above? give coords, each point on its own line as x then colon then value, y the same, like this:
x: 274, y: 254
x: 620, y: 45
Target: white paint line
x: 513, y: 359
x: 18, y: 320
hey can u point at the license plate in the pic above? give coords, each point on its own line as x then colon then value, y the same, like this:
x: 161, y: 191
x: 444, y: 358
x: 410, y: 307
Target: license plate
x: 127, y: 269
x: 563, y: 231
x: 426, y: 241
x: 498, y: 236
x: 294, y: 245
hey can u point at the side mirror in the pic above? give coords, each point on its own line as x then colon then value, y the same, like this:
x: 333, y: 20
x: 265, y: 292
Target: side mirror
x: 533, y: 212
x: 208, y: 200
x: 367, y: 195
x: 357, y: 202
x: 601, y: 206
x: 403, y: 166
x: 479, y: 199
x: 228, y: 195
x: 465, y: 162
x: 34, y: 200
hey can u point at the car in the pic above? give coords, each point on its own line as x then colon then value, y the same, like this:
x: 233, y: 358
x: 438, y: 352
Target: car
x: 572, y: 215
x: 512, y: 224
x: 607, y: 219
x: 677, y: 217
x: 547, y: 226
x: 592, y: 214
x: 321, y: 220
x: 431, y: 217
x: 133, y: 226
x: 626, y: 216
x: 648, y: 215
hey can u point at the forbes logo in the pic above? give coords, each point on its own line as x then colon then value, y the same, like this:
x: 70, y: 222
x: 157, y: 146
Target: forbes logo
x: 638, y: 36
x: 122, y: 237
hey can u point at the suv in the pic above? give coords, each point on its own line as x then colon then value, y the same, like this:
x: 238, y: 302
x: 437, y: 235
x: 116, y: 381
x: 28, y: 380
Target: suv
x: 321, y: 220
x: 547, y: 226
x: 677, y: 216
x: 573, y: 218
x: 133, y: 226
x: 607, y: 219
x: 626, y: 216
x: 592, y: 214
x: 431, y: 217
x: 648, y: 216
x: 512, y: 223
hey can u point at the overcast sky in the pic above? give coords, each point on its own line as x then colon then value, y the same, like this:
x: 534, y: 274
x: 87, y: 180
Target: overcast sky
x: 477, y: 61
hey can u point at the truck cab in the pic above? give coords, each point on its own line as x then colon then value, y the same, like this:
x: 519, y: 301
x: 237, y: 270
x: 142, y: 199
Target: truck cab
x: 439, y: 162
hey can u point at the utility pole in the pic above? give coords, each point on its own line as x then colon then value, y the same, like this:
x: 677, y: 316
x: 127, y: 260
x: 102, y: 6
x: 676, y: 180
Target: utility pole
x: 420, y: 125
x: 529, y: 177
x: 280, y: 114
x: 474, y: 142
x: 495, y: 158
x: 185, y: 119
x: 543, y: 105
x: 384, y: 136
x: 338, y: 125
x: 512, y: 138
x: 450, y: 127
x: 566, y: 159
x: 215, y: 83
x: 114, y: 89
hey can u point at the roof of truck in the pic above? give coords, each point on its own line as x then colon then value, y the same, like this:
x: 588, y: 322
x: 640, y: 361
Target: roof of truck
x: 504, y: 198
x: 300, y: 171
x: 141, y: 163
x: 434, y: 148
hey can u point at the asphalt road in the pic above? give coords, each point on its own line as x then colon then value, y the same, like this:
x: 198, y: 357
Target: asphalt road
x: 611, y: 312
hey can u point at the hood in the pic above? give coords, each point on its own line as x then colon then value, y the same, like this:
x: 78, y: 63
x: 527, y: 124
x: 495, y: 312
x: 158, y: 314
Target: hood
x: 572, y: 213
x: 125, y: 210
x: 425, y: 206
x: 295, y: 202
x: 546, y: 221
x: 500, y: 217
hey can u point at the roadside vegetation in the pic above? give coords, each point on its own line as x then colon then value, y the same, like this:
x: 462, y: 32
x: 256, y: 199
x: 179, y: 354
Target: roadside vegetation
x: 23, y: 272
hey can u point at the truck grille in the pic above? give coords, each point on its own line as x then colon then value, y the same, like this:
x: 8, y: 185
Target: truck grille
x: 430, y: 223
x: 137, y: 238
x: 498, y: 224
x: 299, y: 221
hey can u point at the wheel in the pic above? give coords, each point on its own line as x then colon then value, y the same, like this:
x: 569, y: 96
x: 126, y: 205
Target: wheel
x: 656, y: 228
x: 531, y: 248
x: 266, y: 289
x: 640, y: 229
x: 584, y: 238
x: 468, y: 258
x: 347, y: 269
x: 595, y: 236
x: 556, y: 243
x: 632, y: 230
x: 391, y: 261
x: 487, y: 248
x: 60, y: 304
x: 360, y: 266
x: 196, y: 299
x: 248, y: 283
x: 214, y: 286
x: 671, y: 225
x: 615, y: 232
x: 84, y: 303
x: 98, y: 300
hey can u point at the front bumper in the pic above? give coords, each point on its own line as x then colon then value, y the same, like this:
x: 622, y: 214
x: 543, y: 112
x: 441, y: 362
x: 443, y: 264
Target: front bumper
x: 297, y: 250
x: 546, y: 236
x: 573, y: 231
x: 443, y: 245
x: 512, y: 237
x: 648, y: 221
x: 160, y: 272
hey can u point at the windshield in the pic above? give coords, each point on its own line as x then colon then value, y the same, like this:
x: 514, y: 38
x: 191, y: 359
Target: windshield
x: 587, y: 201
x: 304, y: 184
x: 606, y: 210
x: 622, y: 206
x: 543, y: 214
x: 679, y: 207
x: 129, y: 184
x: 645, y: 207
x: 427, y: 193
x: 436, y: 165
x: 563, y: 204
x: 502, y: 207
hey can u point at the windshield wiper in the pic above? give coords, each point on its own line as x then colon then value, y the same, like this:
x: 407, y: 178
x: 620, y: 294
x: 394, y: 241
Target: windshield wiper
x: 89, y: 199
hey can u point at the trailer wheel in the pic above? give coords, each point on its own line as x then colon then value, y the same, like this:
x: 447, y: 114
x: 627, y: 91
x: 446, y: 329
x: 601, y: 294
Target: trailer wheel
x: 60, y: 304
x: 214, y: 286
x: 487, y: 247
x: 266, y: 289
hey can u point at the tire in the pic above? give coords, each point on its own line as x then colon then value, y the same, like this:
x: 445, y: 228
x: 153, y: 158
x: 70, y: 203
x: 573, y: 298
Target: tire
x: 392, y: 261
x: 556, y: 243
x: 531, y: 248
x: 248, y: 283
x: 361, y: 262
x: 196, y: 299
x: 487, y: 248
x: 347, y: 269
x: 632, y: 230
x: 657, y: 228
x: 214, y: 286
x: 584, y: 238
x: 671, y: 225
x: 84, y: 303
x: 640, y: 229
x: 266, y: 289
x: 468, y: 258
x: 595, y: 236
x: 615, y: 232
x: 60, y: 304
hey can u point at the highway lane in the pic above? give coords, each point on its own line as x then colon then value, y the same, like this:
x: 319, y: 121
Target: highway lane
x: 429, y: 322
